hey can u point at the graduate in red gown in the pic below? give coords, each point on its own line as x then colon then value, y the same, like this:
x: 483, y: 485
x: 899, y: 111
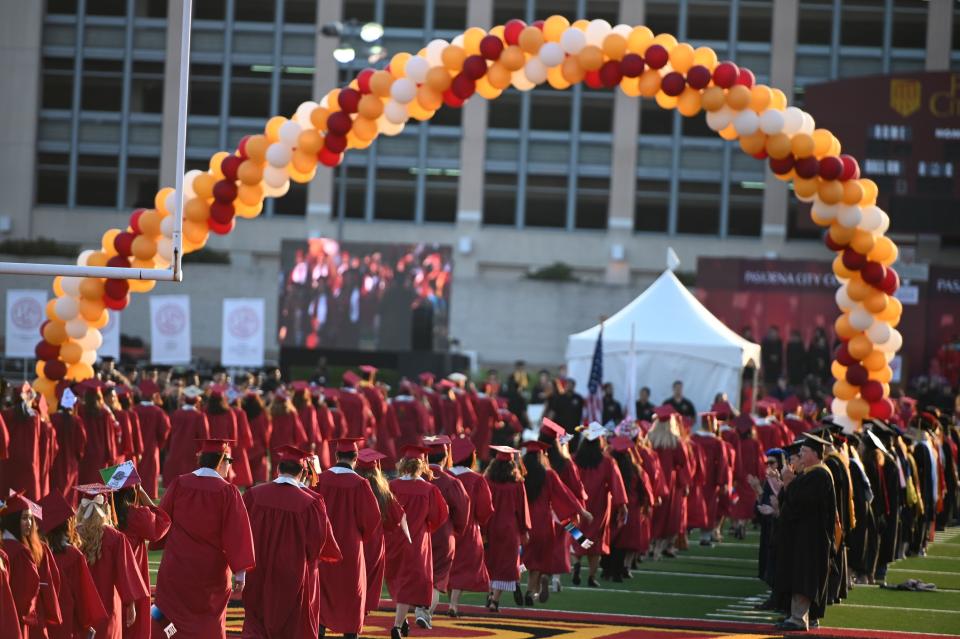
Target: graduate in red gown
x: 469, y: 570
x: 209, y: 543
x: 243, y: 472
x: 650, y: 463
x: 71, y: 442
x: 548, y: 500
x: 27, y: 448
x: 391, y: 518
x: 187, y: 425
x: 751, y: 462
x: 451, y: 414
x: 222, y: 422
x: 33, y: 573
x: 558, y: 454
x: 793, y: 417
x: 80, y: 606
x: 356, y: 409
x: 386, y: 431
x: 487, y: 420
x: 716, y: 475
x: 154, y: 430
x: 286, y: 429
x: 355, y: 516
x: 606, y: 499
x: 410, y: 415
x: 509, y: 527
x: 129, y: 423
x: 260, y: 429
x: 627, y: 539
x: 327, y: 429
x: 443, y: 539
x: 427, y: 393
x: 110, y: 559
x: 141, y: 522
x: 331, y: 399
x: 409, y: 572
x: 303, y: 404
x: 9, y: 620
x: 468, y: 413
x: 675, y: 465
x: 291, y: 533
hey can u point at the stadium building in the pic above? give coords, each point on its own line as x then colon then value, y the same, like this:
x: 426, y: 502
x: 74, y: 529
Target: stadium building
x: 589, y: 180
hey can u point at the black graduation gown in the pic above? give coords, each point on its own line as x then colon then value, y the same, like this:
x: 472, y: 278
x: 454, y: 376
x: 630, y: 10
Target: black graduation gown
x: 884, y: 476
x: 865, y: 524
x: 837, y: 588
x: 928, y: 489
x: 805, y: 537
x: 766, y: 555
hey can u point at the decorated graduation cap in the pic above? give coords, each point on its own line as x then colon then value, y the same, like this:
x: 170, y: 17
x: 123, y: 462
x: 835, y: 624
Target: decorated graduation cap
x: 368, y: 458
x: 814, y: 442
x: 68, y: 400
x: 121, y: 476
x: 435, y: 442
x: 414, y: 451
x: 621, y: 444
x: 351, y: 379
x: 461, y: 449
x: 56, y: 510
x: 93, y: 499
x: 457, y: 378
x: 346, y: 445
x: 535, y: 445
x: 192, y: 392
x: 504, y: 453
x: 594, y: 431
x: 664, y: 412
x: 16, y: 502
x: 743, y: 422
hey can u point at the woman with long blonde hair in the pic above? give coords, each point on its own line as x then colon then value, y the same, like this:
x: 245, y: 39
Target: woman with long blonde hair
x: 664, y: 438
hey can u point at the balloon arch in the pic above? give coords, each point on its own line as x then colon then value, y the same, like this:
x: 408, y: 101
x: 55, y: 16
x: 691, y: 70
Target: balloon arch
x: 675, y: 74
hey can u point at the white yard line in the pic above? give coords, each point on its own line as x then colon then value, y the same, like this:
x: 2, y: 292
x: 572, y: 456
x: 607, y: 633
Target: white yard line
x: 645, y: 592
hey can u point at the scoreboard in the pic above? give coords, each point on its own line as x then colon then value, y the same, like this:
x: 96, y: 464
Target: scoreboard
x: 904, y: 129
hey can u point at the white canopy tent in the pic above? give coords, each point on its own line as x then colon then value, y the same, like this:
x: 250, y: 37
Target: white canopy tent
x: 674, y: 338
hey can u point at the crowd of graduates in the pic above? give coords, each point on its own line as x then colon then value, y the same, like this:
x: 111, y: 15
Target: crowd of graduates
x: 302, y: 500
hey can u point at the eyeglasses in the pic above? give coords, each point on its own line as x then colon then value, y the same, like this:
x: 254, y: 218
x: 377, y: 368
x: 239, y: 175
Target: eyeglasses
x: 229, y: 460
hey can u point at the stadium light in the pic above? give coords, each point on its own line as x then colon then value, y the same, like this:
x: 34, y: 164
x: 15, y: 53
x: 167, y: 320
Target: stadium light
x: 371, y: 32
x: 344, y: 54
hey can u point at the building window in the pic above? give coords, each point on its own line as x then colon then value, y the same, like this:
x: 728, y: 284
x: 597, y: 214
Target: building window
x: 300, y: 11
x: 745, y: 211
x: 440, y: 197
x: 800, y: 226
x: 249, y: 92
x: 205, y: 87
x: 396, y: 194
x: 500, y: 199
x: 142, y: 181
x: 450, y: 15
x: 356, y: 191
x: 550, y: 110
x: 698, y: 210
x: 652, y: 206
x: 294, y: 202
x: 57, y: 83
x: 566, y: 8
x: 910, y: 24
x: 107, y: 8
x: 662, y: 16
x: 654, y: 120
x: 52, y: 178
x: 211, y: 10
x: 596, y: 112
x: 504, y: 112
x: 254, y: 10
x: 102, y: 85
x: 756, y: 18
x: 295, y: 89
x: 708, y: 21
x: 546, y: 201
x: 360, y: 10
x: 861, y: 23
x: 505, y: 10
x: 97, y: 180
x: 146, y: 89
x: 66, y: 7
x: 815, y: 22
x: 593, y: 198
x: 407, y: 14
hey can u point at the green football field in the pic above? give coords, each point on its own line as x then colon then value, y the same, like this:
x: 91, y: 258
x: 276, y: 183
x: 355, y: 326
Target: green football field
x: 720, y: 584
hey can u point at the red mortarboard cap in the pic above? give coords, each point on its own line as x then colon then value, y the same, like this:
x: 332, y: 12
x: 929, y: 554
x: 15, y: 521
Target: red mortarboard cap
x: 91, y: 385
x: 535, y: 445
x: 92, y: 490
x: 504, y: 453
x: 621, y: 444
x: 348, y: 444
x: 299, y: 386
x: 351, y: 379
x: 645, y: 426
x: 413, y: 451
x: 122, y: 389
x: 368, y: 369
x: 436, y: 441
x: 461, y: 448
x: 16, y: 503
x: 368, y: 458
x: 446, y: 384
x: 426, y: 378
x: 551, y: 428
x: 281, y: 393
x: 331, y: 394
x: 722, y: 409
x: 791, y: 404
x: 215, y: 445
x: 743, y: 422
x: 149, y: 388
x: 289, y: 454
x: 664, y: 412
x: 56, y: 510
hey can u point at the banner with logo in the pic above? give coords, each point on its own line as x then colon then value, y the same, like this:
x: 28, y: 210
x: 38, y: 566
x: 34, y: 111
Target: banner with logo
x: 111, y: 337
x: 25, y: 314
x: 169, y: 329
x: 242, y: 335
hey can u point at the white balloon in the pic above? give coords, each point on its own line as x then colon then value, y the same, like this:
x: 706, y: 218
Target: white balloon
x: 84, y: 256
x: 843, y: 299
x: 895, y: 341
x: 279, y: 155
x: 387, y: 127
x: 535, y: 70
x: 92, y: 340
x: 747, y: 122
x: 166, y: 226
x: 77, y: 328
x: 171, y: 202
x: 861, y: 319
x: 274, y: 177
x: 520, y: 81
x: 872, y: 218
x: 721, y: 118
x: 458, y: 41
x: 597, y: 30
x: 302, y: 116
x: 551, y: 54
x: 66, y: 307
x: 879, y: 333
x: 884, y: 223
x: 849, y: 215
x: 826, y: 211
x: 289, y: 132
x: 838, y: 407
x: 889, y: 357
x: 165, y: 250
x: 276, y: 191
x: 623, y: 30
x: 71, y: 286
x: 188, y: 179
x: 771, y: 121
x: 89, y: 357
x: 396, y: 112
x: 403, y: 90
x: 849, y: 426
x: 573, y: 40
x: 435, y: 52
x: 417, y: 68
x: 809, y: 124
x: 792, y: 120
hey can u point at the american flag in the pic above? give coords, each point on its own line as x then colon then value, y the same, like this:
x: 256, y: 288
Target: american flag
x: 595, y: 385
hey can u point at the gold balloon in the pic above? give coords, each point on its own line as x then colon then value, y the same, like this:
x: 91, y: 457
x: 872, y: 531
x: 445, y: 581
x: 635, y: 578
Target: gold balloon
x: 639, y: 39
x: 308, y: 141
x: 531, y: 39
x: 844, y: 390
x: 738, y: 97
x: 554, y: 26
x: 438, y: 79
x: 831, y: 191
x: 838, y: 370
x: 858, y: 409
x: 874, y: 361
x: 513, y: 59
x: 472, y: 38
x: 862, y: 242
x: 753, y: 143
x: 688, y: 102
x: 839, y: 269
x: 778, y: 146
x: 876, y: 302
x: 859, y: 346
x: 842, y: 327
x: 571, y: 70
x: 650, y: 83
x: 706, y: 57
x: 106, y: 242
x: 453, y: 58
x: 884, y: 375
x: 91, y: 288
x: 55, y: 332
x: 615, y: 46
x: 681, y: 57
x: 802, y: 145
x: 852, y: 192
x: 713, y: 97
x: 591, y: 57
x: 805, y: 187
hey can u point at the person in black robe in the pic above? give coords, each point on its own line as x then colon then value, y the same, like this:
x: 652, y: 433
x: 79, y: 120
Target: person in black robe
x: 946, y: 446
x: 771, y: 349
x: 883, y: 471
x: 796, y: 359
x: 865, y: 527
x: 806, y: 534
x: 612, y: 409
x: 566, y: 406
x: 843, y: 492
x: 927, y: 473
x: 768, y: 512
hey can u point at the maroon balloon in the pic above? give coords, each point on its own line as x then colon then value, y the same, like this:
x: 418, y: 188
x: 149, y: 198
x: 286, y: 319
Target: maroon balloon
x: 220, y: 228
x: 349, y: 100
x: 852, y: 260
x: 221, y: 213
x: 762, y: 155
x: 46, y: 350
x: 873, y: 273
x: 339, y: 123
x: 872, y: 391
x: 491, y: 47
x: 451, y: 100
x: 54, y: 369
x: 746, y: 78
x: 538, y: 24
x: 474, y: 67
x: 843, y: 356
x: 611, y: 73
x: 851, y: 169
x: 335, y: 143
x: 512, y: 29
x: 135, y: 220
x: 592, y: 79
x: 242, y: 147
x: 698, y: 76
x: 123, y: 242
x: 832, y: 244
x: 327, y: 157
x: 118, y: 261
x: 807, y: 168
x: 673, y: 83
x: 891, y: 282
x: 725, y: 75
x: 831, y: 168
x: 632, y: 65
x: 857, y: 375
x: 116, y: 289
x: 363, y: 80
x: 656, y: 56
x: 116, y: 304
x: 225, y: 191
x: 463, y: 87
x: 781, y: 166
x: 882, y: 409
x: 229, y: 166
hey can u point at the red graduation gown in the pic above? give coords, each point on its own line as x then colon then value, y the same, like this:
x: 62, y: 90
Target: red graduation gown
x: 633, y: 536
x: 131, y: 442
x: 469, y: 570
x: 555, y: 501
x: 144, y: 524
x: 226, y: 426
x: 186, y: 426
x: 487, y: 418
x: 412, y: 419
x: 450, y: 415
x: 511, y: 519
x: 80, y: 604
x: 715, y: 472
x: 311, y: 426
x: 696, y: 501
x: 385, y: 432
x: 668, y: 516
x: 287, y: 430
x: 326, y: 429
x: 751, y: 460
x: 467, y: 412
x: 650, y: 463
x: 436, y: 414
x: 375, y: 554
x: 357, y: 414
x: 796, y: 425
x: 243, y: 474
x: 22, y: 470
x: 443, y: 539
x: 9, y: 619
x: 354, y: 515
x: 409, y: 572
x: 257, y: 455
x: 154, y: 430
x: 34, y: 588
x: 570, y: 476
x: 605, y: 493
x: 118, y: 581
x: 72, y: 441
x: 209, y: 539
x: 291, y: 533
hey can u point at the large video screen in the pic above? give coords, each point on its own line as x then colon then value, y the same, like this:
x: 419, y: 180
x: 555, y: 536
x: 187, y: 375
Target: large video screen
x: 364, y: 296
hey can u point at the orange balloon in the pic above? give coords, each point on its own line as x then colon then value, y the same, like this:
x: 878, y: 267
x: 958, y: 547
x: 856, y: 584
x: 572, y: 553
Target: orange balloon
x: 380, y: 83
x: 681, y: 57
x: 753, y: 143
x: 91, y: 288
x: 417, y: 112
x: 629, y: 86
x: 398, y: 64
x: 838, y: 370
x: 705, y: 57
x: 531, y: 39
x: 573, y: 72
x: 805, y: 187
x: 472, y: 38
x: 858, y: 409
x: 884, y: 375
x: 822, y: 139
x: 892, y: 312
x: 55, y: 332
x: 666, y: 101
x: 884, y: 251
x: 615, y: 46
x: 729, y: 133
x: 870, y: 192
x: 499, y: 76
x: 840, y: 270
x: 688, y: 102
x: 738, y: 97
x: 250, y: 194
x: 778, y: 100
x: 852, y: 192
x: 760, y: 96
x: 256, y: 146
x: 453, y: 58
x: 150, y: 222
x: 271, y: 130
x: 102, y: 321
x: 639, y: 39
x: 859, y: 346
x: 841, y: 234
x: 203, y: 185
x: 304, y: 162
x: 428, y: 98
x: 876, y: 302
x: 862, y: 241
x: 513, y: 59
x: 194, y: 232
x: 591, y: 57
x: 438, y: 79
x: 831, y: 191
x: 90, y: 310
x: 106, y: 242
x: 51, y: 310
x: 665, y: 40
x: 844, y: 390
x: 554, y: 26
x: 843, y: 328
x: 778, y: 145
x: 143, y: 248
x: 97, y: 259
x: 650, y: 83
x: 489, y: 92
x: 858, y: 290
x: 802, y: 145
x: 713, y: 97
x: 874, y: 361
x: 79, y: 371
x: 160, y: 200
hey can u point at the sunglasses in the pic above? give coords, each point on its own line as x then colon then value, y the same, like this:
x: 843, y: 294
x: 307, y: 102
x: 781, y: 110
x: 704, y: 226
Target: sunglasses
x: 229, y: 460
